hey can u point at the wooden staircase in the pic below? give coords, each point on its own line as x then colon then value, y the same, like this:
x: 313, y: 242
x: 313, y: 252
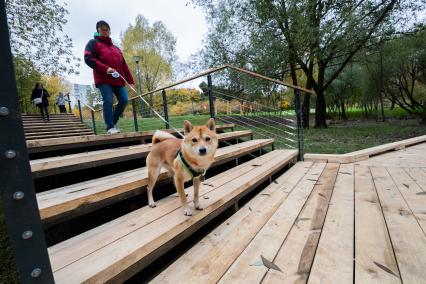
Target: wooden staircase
x: 60, y: 125
x: 115, y: 250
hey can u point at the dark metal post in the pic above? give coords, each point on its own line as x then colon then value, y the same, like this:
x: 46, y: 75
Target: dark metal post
x: 93, y: 121
x: 300, y: 144
x: 166, y: 109
x: 79, y: 110
x: 135, y: 115
x: 138, y: 73
x: 211, y: 97
x: 17, y: 188
x: 69, y: 103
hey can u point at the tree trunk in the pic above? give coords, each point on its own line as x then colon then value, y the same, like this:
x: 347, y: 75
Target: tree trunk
x: 344, y: 117
x: 320, y: 110
x: 306, y: 109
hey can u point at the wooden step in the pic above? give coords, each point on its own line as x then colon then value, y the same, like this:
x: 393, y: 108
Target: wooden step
x: 211, y: 257
x: 55, y: 128
x: 52, y: 119
x: 118, y: 249
x: 49, y: 136
x: 57, y: 131
x: 61, y: 164
x: 51, y: 123
x: 81, y: 142
x: 73, y: 200
x: 36, y: 135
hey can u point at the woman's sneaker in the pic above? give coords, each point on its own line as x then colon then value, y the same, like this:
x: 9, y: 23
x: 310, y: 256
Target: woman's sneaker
x: 113, y: 131
x: 118, y: 129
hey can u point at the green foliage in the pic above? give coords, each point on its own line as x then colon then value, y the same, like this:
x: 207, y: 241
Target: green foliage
x: 27, y: 76
x: 8, y: 272
x: 36, y: 32
x: 275, y: 37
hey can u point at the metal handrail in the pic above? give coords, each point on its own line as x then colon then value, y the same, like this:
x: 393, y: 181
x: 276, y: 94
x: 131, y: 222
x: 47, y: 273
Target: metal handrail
x: 225, y: 66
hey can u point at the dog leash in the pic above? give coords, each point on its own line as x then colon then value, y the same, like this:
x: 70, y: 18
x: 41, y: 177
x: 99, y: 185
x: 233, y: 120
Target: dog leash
x: 116, y: 74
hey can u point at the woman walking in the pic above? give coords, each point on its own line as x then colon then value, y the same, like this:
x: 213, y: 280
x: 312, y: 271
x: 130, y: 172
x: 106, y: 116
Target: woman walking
x: 108, y: 64
x: 39, y: 98
x: 60, y: 101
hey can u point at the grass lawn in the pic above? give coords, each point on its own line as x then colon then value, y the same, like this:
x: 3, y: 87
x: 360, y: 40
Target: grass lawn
x: 357, y: 135
x: 8, y: 274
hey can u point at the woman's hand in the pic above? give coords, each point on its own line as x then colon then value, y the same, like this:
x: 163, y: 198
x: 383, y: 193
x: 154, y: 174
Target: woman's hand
x: 110, y: 70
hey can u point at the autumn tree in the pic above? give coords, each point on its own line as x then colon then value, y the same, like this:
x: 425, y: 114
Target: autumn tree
x: 156, y: 46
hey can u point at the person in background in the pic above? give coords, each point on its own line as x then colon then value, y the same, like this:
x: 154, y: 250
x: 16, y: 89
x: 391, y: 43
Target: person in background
x: 39, y: 98
x: 60, y: 102
x: 109, y: 69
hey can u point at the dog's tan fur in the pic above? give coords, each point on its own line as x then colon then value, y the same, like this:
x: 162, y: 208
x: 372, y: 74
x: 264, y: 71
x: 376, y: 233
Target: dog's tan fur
x: 163, y: 154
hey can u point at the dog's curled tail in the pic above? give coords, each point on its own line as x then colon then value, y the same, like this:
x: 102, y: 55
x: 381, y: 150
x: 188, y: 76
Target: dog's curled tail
x: 160, y: 136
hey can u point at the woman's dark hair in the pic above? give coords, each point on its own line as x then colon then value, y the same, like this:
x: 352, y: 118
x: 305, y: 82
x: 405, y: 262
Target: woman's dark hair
x: 36, y: 85
x: 100, y: 24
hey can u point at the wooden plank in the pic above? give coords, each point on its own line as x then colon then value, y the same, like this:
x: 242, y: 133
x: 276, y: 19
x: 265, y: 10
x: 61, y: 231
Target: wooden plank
x: 333, y: 261
x: 408, y: 239
x: 372, y: 243
x: 410, y: 190
x: 270, y: 238
x: 208, y: 260
x: 43, y: 145
x: 124, y: 256
x: 418, y: 175
x: 65, y: 253
x: 297, y: 252
x: 365, y: 153
x: 61, y: 164
x: 84, y: 197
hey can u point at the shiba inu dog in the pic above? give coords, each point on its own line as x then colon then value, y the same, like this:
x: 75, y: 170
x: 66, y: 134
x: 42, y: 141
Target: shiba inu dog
x: 185, y: 159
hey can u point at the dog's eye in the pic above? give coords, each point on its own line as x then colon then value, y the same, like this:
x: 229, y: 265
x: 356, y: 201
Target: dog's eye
x: 194, y: 140
x: 207, y: 139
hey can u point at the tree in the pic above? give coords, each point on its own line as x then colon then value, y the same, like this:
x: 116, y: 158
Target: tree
x: 27, y: 76
x: 36, y: 34
x: 156, y: 46
x: 311, y: 34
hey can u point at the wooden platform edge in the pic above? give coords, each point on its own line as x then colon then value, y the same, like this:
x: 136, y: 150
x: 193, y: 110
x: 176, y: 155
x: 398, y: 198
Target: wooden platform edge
x: 364, y: 154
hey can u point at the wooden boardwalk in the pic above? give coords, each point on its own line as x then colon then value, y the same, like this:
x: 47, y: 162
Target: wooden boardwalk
x: 322, y: 222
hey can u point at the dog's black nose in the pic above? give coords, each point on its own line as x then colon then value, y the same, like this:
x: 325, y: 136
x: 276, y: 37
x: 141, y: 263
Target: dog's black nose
x: 203, y: 151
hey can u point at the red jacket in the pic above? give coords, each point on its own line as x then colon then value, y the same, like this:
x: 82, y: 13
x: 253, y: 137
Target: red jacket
x: 100, y: 54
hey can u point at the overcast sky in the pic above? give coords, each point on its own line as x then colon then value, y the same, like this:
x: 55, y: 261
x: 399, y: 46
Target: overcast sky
x: 185, y: 22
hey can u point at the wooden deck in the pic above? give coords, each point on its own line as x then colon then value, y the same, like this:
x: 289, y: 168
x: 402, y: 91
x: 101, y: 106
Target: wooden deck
x: 322, y: 222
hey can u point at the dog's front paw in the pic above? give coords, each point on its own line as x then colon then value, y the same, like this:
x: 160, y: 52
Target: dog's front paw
x: 152, y: 204
x: 197, y: 205
x: 187, y: 211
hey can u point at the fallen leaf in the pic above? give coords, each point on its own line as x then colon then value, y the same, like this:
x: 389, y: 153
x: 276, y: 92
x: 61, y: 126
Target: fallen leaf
x: 421, y: 193
x: 406, y: 185
x: 206, y: 197
x: 345, y: 173
x: 385, y: 269
x: 270, y: 264
x: 320, y: 194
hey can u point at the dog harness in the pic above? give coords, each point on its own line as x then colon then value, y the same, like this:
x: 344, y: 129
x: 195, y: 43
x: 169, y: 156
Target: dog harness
x: 193, y: 173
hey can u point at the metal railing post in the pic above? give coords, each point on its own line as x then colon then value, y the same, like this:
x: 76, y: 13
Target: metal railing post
x: 18, y: 198
x: 79, y: 110
x: 69, y: 103
x: 93, y: 121
x: 135, y: 115
x: 166, y: 109
x: 300, y: 142
x: 211, y: 97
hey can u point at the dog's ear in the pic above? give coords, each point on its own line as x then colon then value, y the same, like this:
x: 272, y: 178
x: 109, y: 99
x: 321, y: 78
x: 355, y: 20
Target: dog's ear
x: 187, y: 126
x: 211, y: 124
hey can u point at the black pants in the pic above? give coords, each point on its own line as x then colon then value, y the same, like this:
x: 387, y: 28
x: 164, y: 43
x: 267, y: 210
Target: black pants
x: 62, y: 109
x: 44, y: 110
